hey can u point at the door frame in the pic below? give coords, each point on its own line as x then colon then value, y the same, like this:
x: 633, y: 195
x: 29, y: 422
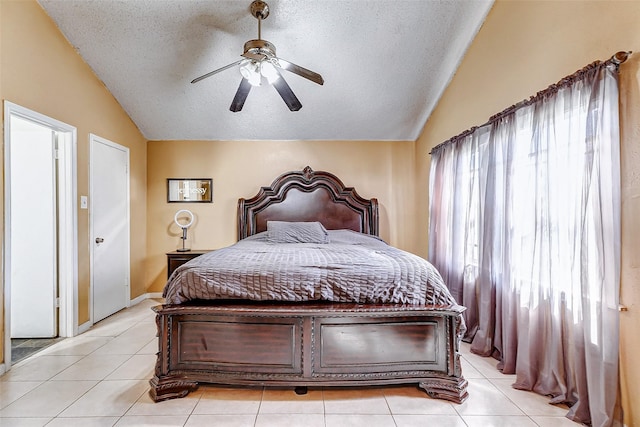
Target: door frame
x: 67, y: 223
x: 95, y: 139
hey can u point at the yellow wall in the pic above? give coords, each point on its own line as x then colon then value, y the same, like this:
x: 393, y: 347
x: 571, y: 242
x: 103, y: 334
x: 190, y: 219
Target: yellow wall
x: 41, y: 71
x: 523, y: 47
x: 238, y: 168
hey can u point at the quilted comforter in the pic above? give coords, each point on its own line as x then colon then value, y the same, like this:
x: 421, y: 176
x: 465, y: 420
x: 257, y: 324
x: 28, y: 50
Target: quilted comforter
x: 351, y: 267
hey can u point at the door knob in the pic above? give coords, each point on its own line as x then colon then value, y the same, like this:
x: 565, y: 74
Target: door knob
x: 99, y: 240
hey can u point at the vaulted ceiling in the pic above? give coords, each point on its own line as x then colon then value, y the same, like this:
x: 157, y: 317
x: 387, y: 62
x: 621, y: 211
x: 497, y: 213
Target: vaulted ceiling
x: 385, y: 63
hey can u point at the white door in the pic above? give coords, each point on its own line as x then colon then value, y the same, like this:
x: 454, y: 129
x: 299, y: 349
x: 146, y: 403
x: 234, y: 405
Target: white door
x: 109, y: 213
x: 33, y: 245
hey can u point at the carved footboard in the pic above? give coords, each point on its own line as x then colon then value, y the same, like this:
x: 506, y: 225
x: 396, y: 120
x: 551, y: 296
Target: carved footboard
x: 301, y: 345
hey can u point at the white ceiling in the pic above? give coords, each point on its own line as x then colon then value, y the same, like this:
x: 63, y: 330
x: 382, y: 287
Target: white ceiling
x: 385, y: 63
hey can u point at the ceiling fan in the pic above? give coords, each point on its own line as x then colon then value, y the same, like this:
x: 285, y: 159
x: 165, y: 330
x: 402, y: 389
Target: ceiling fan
x: 259, y: 64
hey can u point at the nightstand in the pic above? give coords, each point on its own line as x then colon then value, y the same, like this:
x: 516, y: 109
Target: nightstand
x: 175, y: 259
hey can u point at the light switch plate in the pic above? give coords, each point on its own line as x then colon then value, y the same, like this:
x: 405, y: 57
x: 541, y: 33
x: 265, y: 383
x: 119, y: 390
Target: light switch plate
x: 83, y: 202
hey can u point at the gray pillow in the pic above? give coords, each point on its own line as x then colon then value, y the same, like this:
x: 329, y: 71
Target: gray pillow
x: 296, y: 232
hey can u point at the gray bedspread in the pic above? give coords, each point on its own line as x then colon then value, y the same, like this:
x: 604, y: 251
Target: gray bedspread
x: 352, y: 267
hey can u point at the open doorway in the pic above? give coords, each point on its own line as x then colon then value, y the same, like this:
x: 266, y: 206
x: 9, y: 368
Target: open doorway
x: 40, y: 236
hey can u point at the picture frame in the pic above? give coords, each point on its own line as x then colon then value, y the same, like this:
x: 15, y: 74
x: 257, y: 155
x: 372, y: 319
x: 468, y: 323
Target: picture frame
x: 189, y: 190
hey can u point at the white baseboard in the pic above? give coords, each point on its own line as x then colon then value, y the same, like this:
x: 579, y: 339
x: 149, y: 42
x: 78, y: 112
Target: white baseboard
x: 84, y: 327
x: 148, y: 295
x: 137, y: 300
x: 3, y: 369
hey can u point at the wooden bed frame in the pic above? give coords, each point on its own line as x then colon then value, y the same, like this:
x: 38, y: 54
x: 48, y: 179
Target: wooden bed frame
x: 313, y: 343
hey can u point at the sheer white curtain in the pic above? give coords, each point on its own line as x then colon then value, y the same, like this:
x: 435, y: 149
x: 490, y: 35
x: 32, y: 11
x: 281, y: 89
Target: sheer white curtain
x: 525, y: 229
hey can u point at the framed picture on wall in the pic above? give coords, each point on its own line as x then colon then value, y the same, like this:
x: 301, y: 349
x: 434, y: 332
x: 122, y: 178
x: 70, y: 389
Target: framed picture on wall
x: 189, y: 190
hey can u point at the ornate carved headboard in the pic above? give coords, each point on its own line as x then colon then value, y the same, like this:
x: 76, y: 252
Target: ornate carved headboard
x: 308, y: 195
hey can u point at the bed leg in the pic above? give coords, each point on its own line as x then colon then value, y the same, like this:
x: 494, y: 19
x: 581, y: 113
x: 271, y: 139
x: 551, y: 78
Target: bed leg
x: 167, y: 388
x: 453, y: 388
x: 300, y: 390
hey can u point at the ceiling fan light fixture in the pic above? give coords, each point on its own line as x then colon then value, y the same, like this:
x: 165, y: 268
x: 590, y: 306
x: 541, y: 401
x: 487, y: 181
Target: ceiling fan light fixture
x: 255, y: 71
x: 250, y: 70
x: 269, y: 72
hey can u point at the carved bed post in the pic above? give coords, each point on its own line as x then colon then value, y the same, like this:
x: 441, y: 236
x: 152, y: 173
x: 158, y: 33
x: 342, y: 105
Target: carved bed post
x: 454, y: 386
x: 163, y: 386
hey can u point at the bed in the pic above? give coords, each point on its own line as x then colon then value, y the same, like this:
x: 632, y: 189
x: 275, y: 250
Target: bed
x: 349, y: 334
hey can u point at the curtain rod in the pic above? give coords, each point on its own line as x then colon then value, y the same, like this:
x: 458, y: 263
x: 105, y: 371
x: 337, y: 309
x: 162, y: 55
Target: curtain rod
x: 617, y: 59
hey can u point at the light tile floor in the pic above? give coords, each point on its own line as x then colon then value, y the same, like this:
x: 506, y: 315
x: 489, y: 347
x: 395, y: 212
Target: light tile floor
x: 100, y: 378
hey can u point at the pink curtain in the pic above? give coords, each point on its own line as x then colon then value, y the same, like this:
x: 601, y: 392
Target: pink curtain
x: 525, y: 229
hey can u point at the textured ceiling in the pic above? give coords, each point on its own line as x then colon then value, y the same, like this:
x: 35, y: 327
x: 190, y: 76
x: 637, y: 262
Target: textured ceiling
x: 385, y: 63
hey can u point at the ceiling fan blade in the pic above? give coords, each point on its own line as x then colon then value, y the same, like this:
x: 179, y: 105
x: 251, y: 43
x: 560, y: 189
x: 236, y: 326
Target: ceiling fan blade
x: 287, y: 94
x: 241, y: 95
x: 196, y: 80
x: 301, y: 71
